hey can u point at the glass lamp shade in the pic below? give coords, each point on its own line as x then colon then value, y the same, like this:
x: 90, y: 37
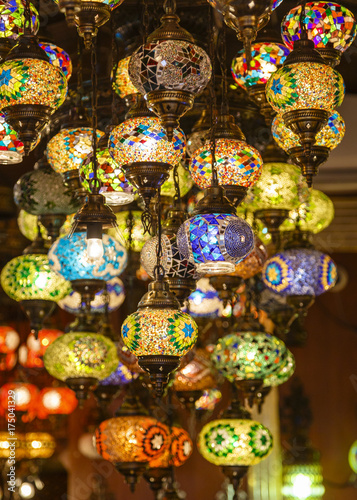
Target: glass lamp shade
x: 215, y: 243
x: 185, y: 182
x: 196, y: 140
x: 121, y: 376
x: 122, y: 83
x: 30, y: 277
x: 11, y: 148
x: 5, y: 450
x: 45, y: 338
x: 81, y: 355
x: 266, y: 57
x: 114, y: 185
x: 328, y: 25
x: 112, y: 3
x: 303, y: 481
x: 305, y: 85
x: 31, y: 81
x: 209, y: 400
x: 143, y: 139
x: 12, y: 18
x: 315, y: 214
x: 58, y: 57
x: 114, y: 290
x: 68, y: 257
x: 198, y: 375
x: 138, y: 238
x: 68, y: 149
x: 237, y: 163
x: 42, y: 192
x: 329, y: 136
x: 352, y: 457
x: 281, y: 186
x: 283, y: 374
x: 299, y: 271
x: 29, y: 358
x: 28, y: 225
x: 204, y: 302
x: 24, y: 397
x: 131, y: 439
x: 173, y: 262
x: 159, y: 332
x: 56, y: 401
x: 39, y: 445
x: 249, y: 355
x: 253, y: 263
x: 9, y: 339
x: 179, y: 450
x: 170, y: 65
x: 234, y: 442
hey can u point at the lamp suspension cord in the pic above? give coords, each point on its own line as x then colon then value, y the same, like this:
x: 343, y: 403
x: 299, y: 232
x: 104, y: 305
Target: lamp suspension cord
x: 302, y: 25
x: 222, y: 58
x: 114, y: 120
x: 159, y: 271
x: 212, y: 96
x: 177, y: 197
x: 145, y: 21
x: 27, y: 24
x: 95, y: 184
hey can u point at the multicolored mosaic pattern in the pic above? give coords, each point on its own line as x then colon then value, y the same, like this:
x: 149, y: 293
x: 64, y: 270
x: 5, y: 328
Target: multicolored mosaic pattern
x: 237, y: 163
x: 12, y: 18
x: 204, y: 302
x: 31, y: 81
x: 198, y: 375
x: 173, y: 262
x: 329, y: 136
x: 300, y: 271
x: 58, y: 57
x: 114, y: 293
x: 266, y: 59
x: 170, y: 65
x: 209, y: 400
x: 121, y: 376
x: 113, y: 4
x: 144, y: 139
x: 280, y: 186
x: 153, y: 332
x: 214, y: 239
x: 328, y: 24
x: 115, y: 187
x: 305, y: 85
x: 122, y: 83
x: 307, y: 477
x: 249, y: 355
x: 234, y: 442
x: 30, y: 277
x: 185, y: 182
x: 132, y: 439
x: 179, y: 450
x: 83, y: 354
x: 68, y: 149
x: 68, y: 257
x: 315, y: 215
x: 253, y: 263
x: 195, y: 141
x: 11, y: 148
x: 129, y: 223
x: 42, y: 191
x: 283, y: 375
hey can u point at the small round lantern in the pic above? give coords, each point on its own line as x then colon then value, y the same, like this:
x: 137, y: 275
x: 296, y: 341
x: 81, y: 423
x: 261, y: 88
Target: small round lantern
x: 56, y: 401
x: 9, y: 339
x: 58, y: 57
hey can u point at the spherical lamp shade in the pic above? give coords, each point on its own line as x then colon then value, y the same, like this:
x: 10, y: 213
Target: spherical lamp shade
x: 198, y: 375
x: 144, y: 140
x: 9, y: 339
x: 215, y: 243
x: 352, y: 457
x: 68, y: 257
x: 234, y: 442
x: 283, y: 374
x: 315, y: 215
x: 81, y: 355
x: 160, y: 332
x: 328, y: 24
x: 204, y: 302
x: 12, y: 18
x: 28, y: 225
x: 266, y: 58
x: 121, y: 376
x: 11, y: 148
x: 68, y: 149
x: 56, y: 401
x: 237, y: 163
x: 185, y: 182
x: 249, y: 355
x: 179, y: 450
x: 114, y: 291
x: 45, y: 338
x: 209, y: 400
x: 30, y: 277
x: 24, y: 398
x: 122, y: 83
x: 58, y: 57
x: 253, y: 263
x: 7, y: 452
x: 300, y: 271
x: 39, y: 445
x: 127, y: 220
x: 329, y: 136
x: 42, y: 192
x: 303, y: 481
x: 306, y: 85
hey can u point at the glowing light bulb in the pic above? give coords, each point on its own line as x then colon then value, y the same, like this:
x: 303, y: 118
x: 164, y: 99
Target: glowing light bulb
x: 95, y: 248
x: 301, y: 486
x: 27, y: 490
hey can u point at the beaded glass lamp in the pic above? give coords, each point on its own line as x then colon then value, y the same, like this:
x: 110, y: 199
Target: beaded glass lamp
x: 58, y: 57
x: 329, y: 25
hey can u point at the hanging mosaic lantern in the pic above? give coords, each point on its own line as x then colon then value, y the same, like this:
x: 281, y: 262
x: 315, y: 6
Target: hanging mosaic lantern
x: 158, y: 333
x: 58, y: 57
x: 199, y: 133
x: 56, y: 401
x: 122, y: 83
x: 285, y: 371
x: 114, y: 185
x: 303, y: 480
x: 24, y: 400
x: 29, y: 226
x: 253, y: 263
x: 81, y: 360
x: 170, y: 70
x: 39, y: 445
x: 9, y: 339
x: 31, y: 89
x: 327, y: 139
x: 149, y: 439
x: 209, y: 400
x: 31, y: 354
x: 11, y: 149
x: 329, y: 25
x: 204, y: 302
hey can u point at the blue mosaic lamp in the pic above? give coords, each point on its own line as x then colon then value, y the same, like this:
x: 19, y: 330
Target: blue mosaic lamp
x: 204, y: 302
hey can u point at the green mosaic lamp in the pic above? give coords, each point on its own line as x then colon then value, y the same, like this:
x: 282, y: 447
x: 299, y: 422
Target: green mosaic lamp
x: 234, y: 442
x: 81, y: 359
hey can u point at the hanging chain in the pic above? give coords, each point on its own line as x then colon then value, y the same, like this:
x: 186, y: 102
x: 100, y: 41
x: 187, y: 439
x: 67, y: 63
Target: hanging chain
x: 145, y: 21
x: 177, y: 197
x: 159, y: 271
x: 94, y: 182
x: 212, y: 96
x: 114, y: 108
x: 27, y: 24
x: 222, y: 58
x: 130, y: 226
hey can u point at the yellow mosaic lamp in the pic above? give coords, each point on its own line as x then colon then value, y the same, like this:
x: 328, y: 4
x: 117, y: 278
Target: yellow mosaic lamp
x: 39, y: 445
x: 122, y: 83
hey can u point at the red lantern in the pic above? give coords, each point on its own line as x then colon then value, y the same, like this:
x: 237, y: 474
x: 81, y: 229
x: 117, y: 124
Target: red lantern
x: 9, y: 339
x: 45, y: 337
x: 8, y: 362
x: 24, y: 396
x: 29, y: 358
x: 56, y: 401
